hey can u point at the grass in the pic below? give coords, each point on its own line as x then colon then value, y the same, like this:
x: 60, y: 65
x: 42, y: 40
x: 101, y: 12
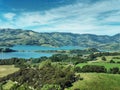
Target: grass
x: 95, y: 81
x: 108, y: 58
x: 8, y: 85
x: 7, y: 69
x: 98, y: 81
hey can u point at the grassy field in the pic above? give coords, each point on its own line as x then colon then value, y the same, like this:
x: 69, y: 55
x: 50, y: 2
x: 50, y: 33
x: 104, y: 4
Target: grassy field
x: 98, y: 81
x: 7, y: 69
x: 95, y: 81
x: 100, y: 62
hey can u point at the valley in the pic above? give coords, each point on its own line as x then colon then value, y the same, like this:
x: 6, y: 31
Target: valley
x: 88, y: 68
x: 59, y: 44
x: 58, y: 61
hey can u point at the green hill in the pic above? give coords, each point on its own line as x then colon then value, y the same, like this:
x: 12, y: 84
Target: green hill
x: 27, y: 37
x: 95, y: 81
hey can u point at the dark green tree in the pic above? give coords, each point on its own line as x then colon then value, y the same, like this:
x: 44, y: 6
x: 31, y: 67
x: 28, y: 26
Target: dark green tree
x: 103, y: 58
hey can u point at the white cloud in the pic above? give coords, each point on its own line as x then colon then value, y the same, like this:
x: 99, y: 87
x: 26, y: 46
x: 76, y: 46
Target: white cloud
x: 77, y: 18
x: 9, y: 16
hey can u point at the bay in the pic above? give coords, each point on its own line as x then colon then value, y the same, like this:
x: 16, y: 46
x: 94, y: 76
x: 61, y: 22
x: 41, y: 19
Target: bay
x: 28, y: 51
x: 36, y: 48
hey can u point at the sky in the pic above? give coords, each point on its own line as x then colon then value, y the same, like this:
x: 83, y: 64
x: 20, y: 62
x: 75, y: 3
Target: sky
x: 101, y: 17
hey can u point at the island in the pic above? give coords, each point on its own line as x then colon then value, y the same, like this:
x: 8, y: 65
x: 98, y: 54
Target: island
x: 4, y: 49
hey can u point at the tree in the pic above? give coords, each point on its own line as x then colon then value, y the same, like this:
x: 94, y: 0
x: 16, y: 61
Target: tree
x: 103, y: 58
x: 111, y: 61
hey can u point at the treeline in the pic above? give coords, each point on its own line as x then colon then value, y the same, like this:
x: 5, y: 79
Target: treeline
x: 54, y: 58
x: 12, y: 61
x: 97, y: 69
x: 86, y: 51
x: 74, y: 59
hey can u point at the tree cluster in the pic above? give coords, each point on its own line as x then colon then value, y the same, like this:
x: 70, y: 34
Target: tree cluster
x: 55, y: 75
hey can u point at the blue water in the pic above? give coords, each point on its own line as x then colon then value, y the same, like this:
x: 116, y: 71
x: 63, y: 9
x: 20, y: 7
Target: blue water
x: 36, y: 48
x: 29, y: 51
x: 26, y: 55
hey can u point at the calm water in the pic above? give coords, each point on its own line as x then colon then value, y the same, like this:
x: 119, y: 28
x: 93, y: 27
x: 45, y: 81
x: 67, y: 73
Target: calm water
x: 35, y: 48
x: 29, y: 51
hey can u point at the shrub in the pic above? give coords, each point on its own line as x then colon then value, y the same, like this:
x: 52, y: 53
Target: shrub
x: 114, y: 70
x: 77, y: 69
x: 118, y: 62
x: 111, y: 61
x: 103, y: 58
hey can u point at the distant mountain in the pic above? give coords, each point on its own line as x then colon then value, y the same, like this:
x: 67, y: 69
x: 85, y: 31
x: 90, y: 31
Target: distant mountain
x: 27, y: 37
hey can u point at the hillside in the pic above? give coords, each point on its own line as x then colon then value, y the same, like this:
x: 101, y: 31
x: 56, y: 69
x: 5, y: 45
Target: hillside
x: 94, y: 81
x: 27, y: 37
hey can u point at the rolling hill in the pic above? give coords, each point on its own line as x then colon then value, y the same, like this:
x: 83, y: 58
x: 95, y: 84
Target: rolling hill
x: 10, y: 37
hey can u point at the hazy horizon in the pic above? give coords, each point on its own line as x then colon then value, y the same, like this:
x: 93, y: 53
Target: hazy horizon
x: 100, y: 17
x: 63, y: 32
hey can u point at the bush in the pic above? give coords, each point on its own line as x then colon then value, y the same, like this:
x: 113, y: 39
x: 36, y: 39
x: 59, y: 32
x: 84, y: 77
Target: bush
x: 111, y: 61
x: 103, y: 58
x: 118, y: 62
x: 116, y: 57
x: 114, y: 70
x: 77, y: 69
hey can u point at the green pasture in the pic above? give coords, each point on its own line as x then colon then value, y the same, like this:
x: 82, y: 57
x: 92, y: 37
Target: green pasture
x: 7, y: 69
x: 96, y: 81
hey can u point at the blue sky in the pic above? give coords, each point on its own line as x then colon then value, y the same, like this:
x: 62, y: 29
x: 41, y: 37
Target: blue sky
x: 77, y: 16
